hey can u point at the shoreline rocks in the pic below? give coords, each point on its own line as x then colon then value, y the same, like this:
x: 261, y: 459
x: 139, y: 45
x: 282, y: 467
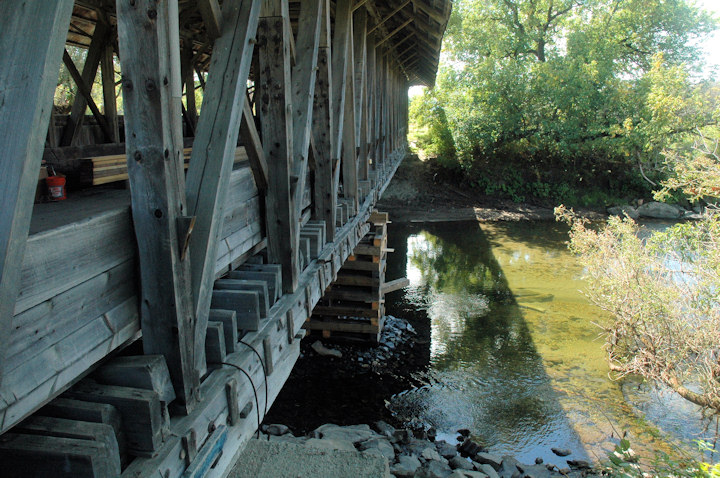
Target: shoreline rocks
x: 410, y: 454
x: 656, y: 210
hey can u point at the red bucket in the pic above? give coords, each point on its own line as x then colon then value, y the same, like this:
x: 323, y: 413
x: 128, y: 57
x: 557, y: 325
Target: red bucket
x: 56, y: 188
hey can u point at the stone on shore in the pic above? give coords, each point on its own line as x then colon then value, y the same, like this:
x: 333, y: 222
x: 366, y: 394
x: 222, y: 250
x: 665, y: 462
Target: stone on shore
x: 660, y: 210
x: 622, y: 211
x: 445, y: 449
x: 320, y: 349
x: 561, y: 451
x: 330, y: 444
x: 352, y: 433
x: 406, y: 466
x: 489, y: 459
x: 458, y: 462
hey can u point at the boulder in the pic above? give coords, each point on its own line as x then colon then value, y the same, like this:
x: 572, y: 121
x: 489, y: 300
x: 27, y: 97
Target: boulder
x: 660, y: 210
x: 275, y: 429
x: 320, y: 349
x: 458, y: 462
x: 623, y: 211
x: 330, y: 444
x: 467, y: 474
x: 445, y: 449
x: 488, y: 459
x: 384, y: 428
x: 406, y: 466
x: 430, y: 453
x: 487, y: 470
x: 561, y: 451
x: 378, y: 446
x: 352, y: 433
x: 434, y: 469
x: 469, y: 448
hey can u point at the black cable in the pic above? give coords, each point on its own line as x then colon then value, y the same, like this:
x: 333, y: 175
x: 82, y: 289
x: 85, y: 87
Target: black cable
x: 257, y: 402
x: 264, y: 372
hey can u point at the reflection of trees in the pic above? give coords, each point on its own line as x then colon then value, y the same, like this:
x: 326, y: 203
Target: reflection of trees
x: 492, y: 343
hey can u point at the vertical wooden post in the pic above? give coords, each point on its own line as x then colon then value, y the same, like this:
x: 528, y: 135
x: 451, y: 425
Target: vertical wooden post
x: 303, y: 91
x: 214, y: 151
x: 361, y: 93
x: 149, y: 43
x: 109, y: 99
x: 189, y: 82
x: 340, y: 51
x: 277, y: 134
x: 32, y: 43
x: 349, y: 153
x: 325, y: 195
x: 369, y: 120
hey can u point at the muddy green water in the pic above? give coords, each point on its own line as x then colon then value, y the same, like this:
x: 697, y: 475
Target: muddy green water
x: 514, y: 352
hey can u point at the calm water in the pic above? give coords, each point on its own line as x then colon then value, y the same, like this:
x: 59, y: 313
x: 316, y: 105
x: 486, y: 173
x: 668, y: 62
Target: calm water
x: 513, y: 350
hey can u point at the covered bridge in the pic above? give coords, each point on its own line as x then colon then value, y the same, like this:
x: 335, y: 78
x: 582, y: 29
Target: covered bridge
x: 110, y: 313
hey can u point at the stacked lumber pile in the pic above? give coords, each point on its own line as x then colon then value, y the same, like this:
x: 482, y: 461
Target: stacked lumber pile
x: 353, y: 307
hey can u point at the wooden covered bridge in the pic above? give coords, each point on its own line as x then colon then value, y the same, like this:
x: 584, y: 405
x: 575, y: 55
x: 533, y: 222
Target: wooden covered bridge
x: 169, y: 312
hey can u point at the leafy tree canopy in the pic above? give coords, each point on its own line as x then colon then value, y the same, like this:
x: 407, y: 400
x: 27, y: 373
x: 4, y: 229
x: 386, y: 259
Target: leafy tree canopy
x: 552, y: 97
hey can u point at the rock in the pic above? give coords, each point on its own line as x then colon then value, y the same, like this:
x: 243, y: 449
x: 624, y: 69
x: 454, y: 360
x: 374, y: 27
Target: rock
x: 565, y: 471
x: 489, y: 459
x: 561, y: 451
x: 487, y: 469
x: 434, y: 469
x: 692, y: 216
x: 464, y: 432
x: 352, y: 433
x: 510, y: 467
x: 406, y: 466
x: 461, y: 463
x: 384, y: 428
x: 276, y: 429
x: 660, y: 210
x: 330, y: 444
x: 431, y: 433
x: 467, y: 474
x: 579, y: 464
x: 538, y: 461
x: 378, y: 446
x: 460, y: 438
x: 430, y: 453
x: 622, y: 211
x: 445, y: 449
x: 402, y: 436
x: 469, y: 448
x: 536, y: 471
x: 320, y: 349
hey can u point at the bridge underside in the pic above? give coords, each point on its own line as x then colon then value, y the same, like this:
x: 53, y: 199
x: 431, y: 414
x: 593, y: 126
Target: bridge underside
x: 272, y: 170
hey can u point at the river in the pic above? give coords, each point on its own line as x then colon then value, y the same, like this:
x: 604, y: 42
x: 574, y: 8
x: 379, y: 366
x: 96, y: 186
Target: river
x: 515, y: 355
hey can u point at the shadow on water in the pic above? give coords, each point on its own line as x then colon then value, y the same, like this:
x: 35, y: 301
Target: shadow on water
x: 485, y: 371
x: 513, y: 348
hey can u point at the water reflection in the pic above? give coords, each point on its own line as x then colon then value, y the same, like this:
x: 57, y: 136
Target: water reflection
x: 514, y: 353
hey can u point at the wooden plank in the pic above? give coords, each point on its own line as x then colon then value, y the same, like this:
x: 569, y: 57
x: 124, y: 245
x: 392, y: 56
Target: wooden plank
x: 394, y: 285
x: 272, y: 277
x: 323, y: 127
x: 208, y: 455
x: 215, y: 343
x: 230, y: 329
x: 29, y: 455
x: 274, y: 110
x: 32, y: 41
x: 79, y: 430
x: 253, y: 145
x: 214, y: 152
x: 345, y: 311
x: 349, y: 152
x: 243, y: 302
x: 152, y: 91
x: 259, y: 286
x: 149, y: 372
x: 341, y: 326
x: 340, y: 52
x: 212, y: 18
x: 109, y: 96
x: 142, y: 418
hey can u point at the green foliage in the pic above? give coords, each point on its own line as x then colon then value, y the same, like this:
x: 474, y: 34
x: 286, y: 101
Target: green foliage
x: 568, y: 94
x: 431, y: 132
x: 624, y: 463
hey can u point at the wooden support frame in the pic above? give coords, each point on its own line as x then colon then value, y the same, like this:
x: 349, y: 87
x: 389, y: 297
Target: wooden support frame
x: 395, y: 31
x: 389, y: 16
x: 25, y: 111
x: 212, y: 17
x: 148, y: 35
x: 107, y: 66
x: 349, y: 151
x: 214, y: 152
x: 323, y: 125
x: 83, y: 82
x: 277, y: 133
x: 361, y: 63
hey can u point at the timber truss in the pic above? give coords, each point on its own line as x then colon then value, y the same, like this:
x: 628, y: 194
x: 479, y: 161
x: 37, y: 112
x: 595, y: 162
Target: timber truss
x: 302, y: 123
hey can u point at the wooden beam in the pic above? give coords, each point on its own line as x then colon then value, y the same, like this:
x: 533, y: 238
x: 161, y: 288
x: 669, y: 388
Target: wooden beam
x: 213, y: 152
x: 84, y: 82
x: 303, y: 91
x: 33, y: 35
x: 349, y: 152
x: 360, y: 59
x: 149, y: 43
x: 392, y: 14
x: 325, y: 198
x: 109, y: 95
x: 274, y: 108
x: 340, y: 42
x: 254, y: 148
x: 212, y: 17
x: 394, y: 32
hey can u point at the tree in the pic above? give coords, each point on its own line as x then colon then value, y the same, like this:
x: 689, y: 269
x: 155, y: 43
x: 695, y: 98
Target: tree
x: 663, y: 291
x: 546, y: 97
